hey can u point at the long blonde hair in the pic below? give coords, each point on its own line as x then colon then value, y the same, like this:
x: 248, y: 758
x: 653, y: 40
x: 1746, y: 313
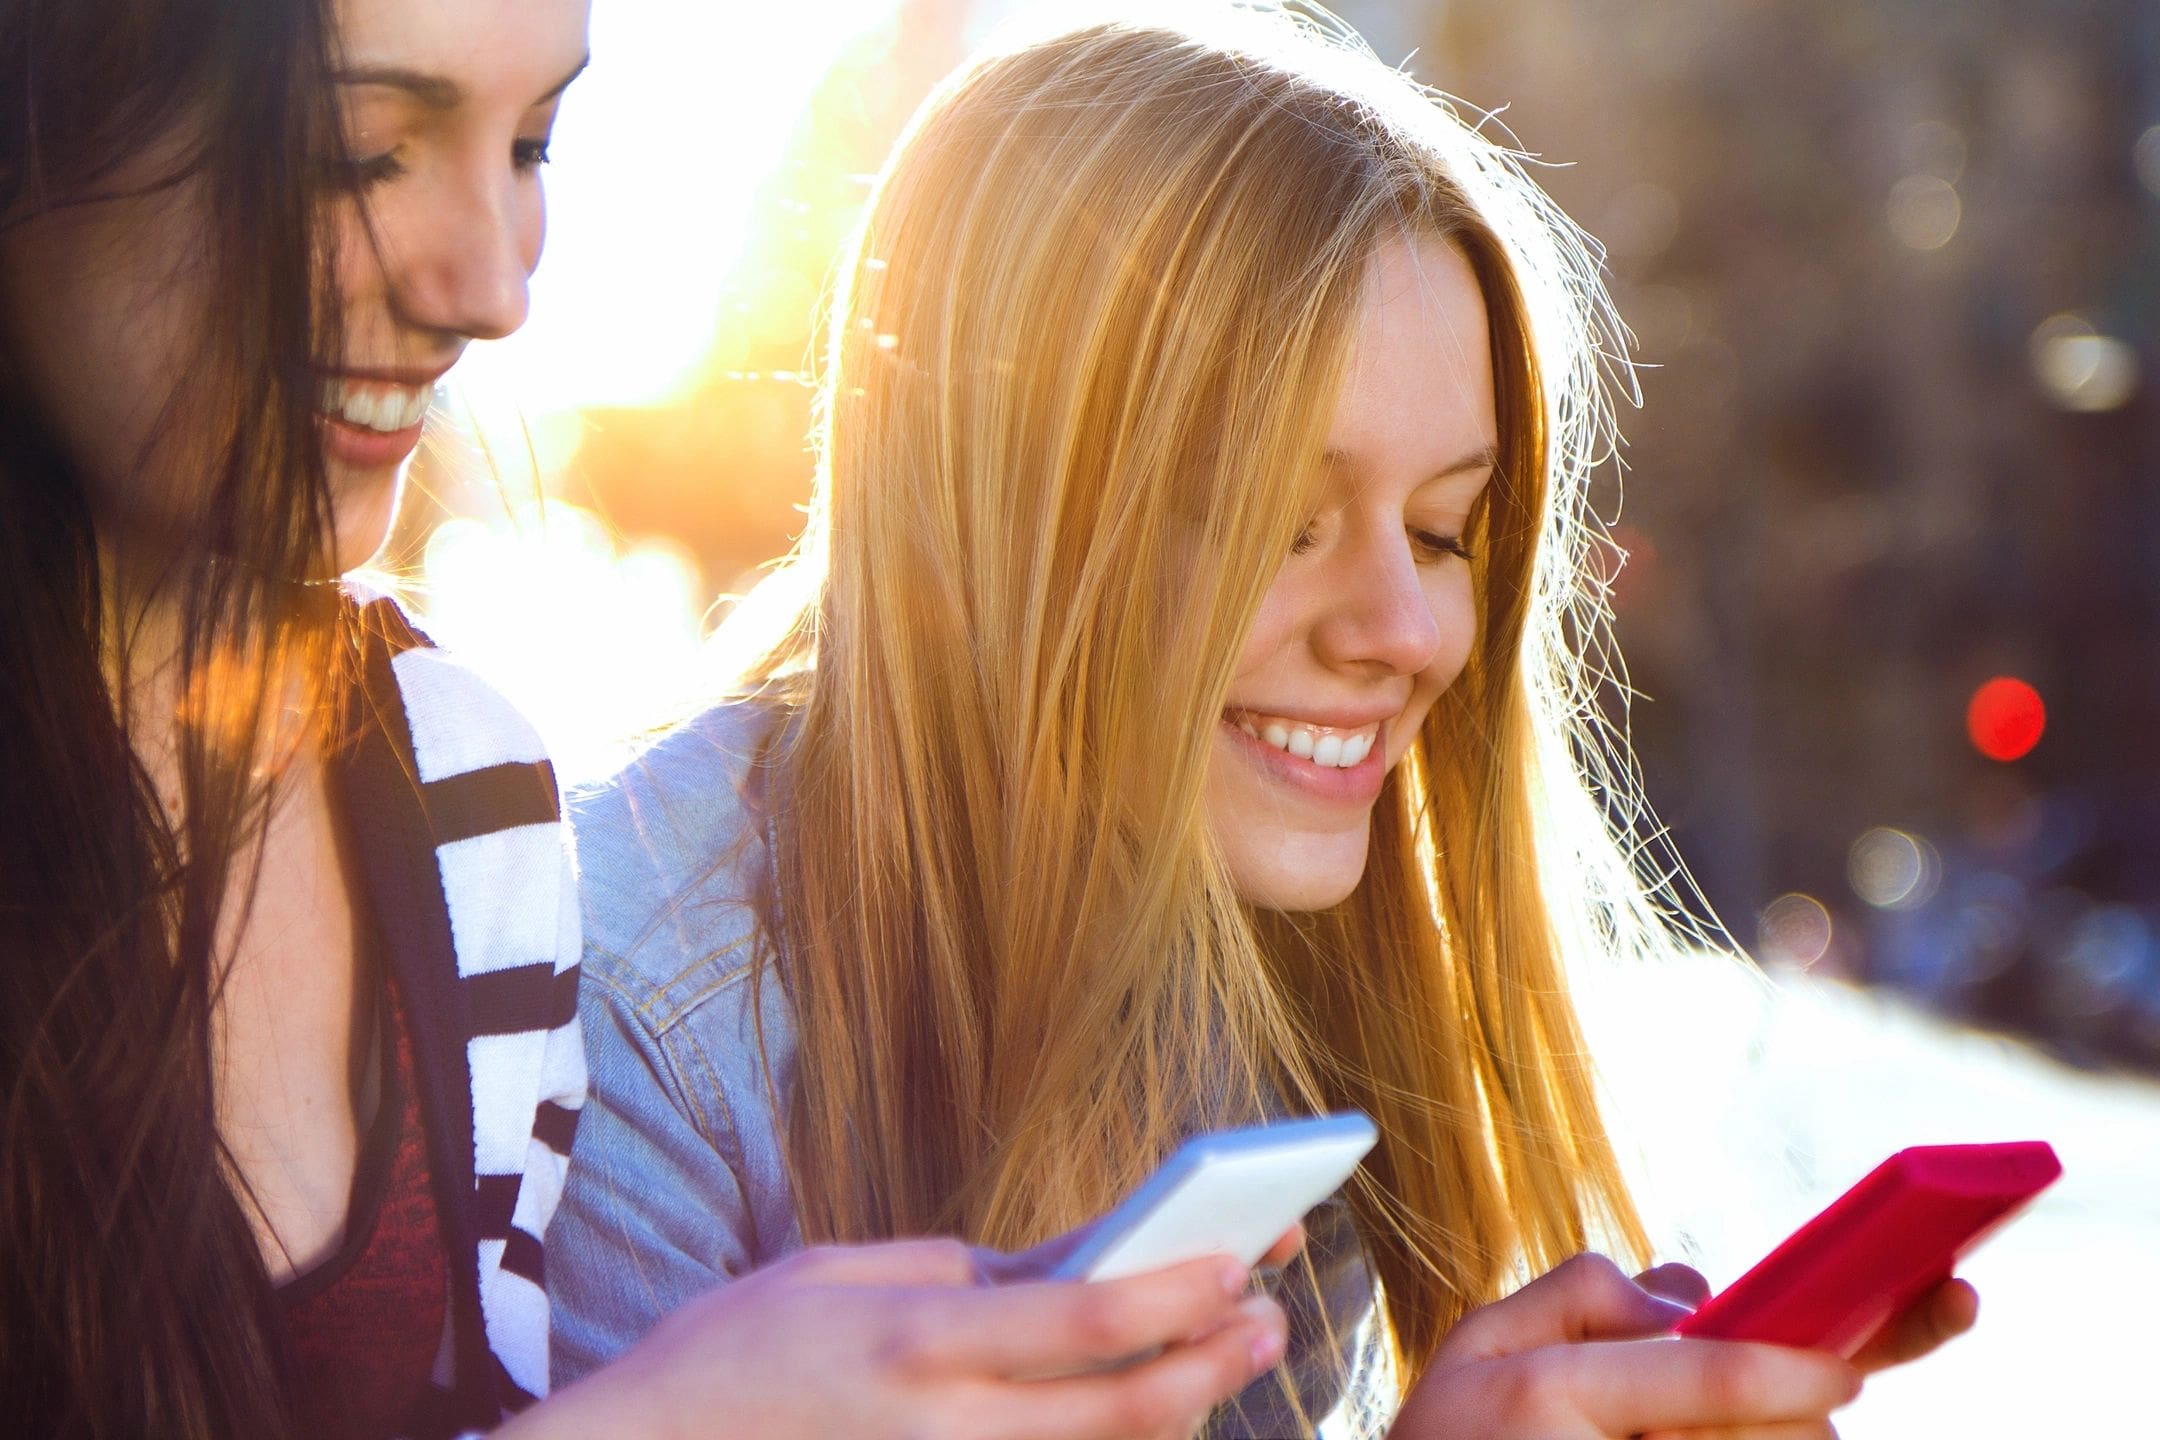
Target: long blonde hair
x: 1081, y: 357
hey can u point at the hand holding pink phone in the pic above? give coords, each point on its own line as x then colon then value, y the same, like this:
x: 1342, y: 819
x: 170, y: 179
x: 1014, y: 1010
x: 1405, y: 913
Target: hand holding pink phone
x: 1878, y: 1247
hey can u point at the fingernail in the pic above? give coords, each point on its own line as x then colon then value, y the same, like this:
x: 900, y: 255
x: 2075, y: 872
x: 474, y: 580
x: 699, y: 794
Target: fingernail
x: 1271, y: 1330
x: 1233, y: 1278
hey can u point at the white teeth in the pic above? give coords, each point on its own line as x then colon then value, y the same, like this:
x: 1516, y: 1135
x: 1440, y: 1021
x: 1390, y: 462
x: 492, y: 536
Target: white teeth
x: 382, y: 408
x: 1333, y: 750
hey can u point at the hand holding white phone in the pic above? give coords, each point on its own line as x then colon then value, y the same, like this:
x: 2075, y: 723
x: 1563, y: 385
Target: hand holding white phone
x: 1234, y: 1192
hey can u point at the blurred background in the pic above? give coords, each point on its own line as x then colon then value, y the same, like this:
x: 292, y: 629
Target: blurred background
x: 1891, y: 606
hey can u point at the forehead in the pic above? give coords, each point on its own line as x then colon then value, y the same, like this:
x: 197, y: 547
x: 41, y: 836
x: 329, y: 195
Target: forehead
x: 492, y: 50
x: 1418, y: 384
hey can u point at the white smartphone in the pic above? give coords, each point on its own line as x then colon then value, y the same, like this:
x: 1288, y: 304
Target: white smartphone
x: 1234, y: 1192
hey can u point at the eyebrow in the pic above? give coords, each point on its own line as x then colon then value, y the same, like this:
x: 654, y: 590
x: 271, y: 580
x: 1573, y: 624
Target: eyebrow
x: 437, y: 92
x: 1485, y: 457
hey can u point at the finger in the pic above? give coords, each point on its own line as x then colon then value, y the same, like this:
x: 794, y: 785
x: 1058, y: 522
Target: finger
x: 1681, y: 1284
x: 1638, y: 1385
x: 1057, y: 1327
x: 1168, y: 1395
x: 1941, y: 1315
x: 1283, y: 1251
x: 1586, y: 1298
x: 889, y: 1264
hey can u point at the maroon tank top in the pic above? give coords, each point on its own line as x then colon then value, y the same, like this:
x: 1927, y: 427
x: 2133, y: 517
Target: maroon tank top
x: 366, y: 1324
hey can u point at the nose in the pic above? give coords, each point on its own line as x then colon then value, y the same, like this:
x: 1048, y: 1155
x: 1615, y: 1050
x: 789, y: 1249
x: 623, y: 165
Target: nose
x: 1381, y: 618
x: 466, y: 270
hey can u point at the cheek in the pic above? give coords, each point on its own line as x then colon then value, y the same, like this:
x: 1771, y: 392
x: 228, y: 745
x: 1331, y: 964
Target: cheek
x: 532, y: 235
x: 1452, y: 597
x: 358, y: 271
x: 1279, y: 619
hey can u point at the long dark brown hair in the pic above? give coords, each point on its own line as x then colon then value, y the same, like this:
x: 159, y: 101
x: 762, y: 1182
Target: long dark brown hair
x: 133, y: 1298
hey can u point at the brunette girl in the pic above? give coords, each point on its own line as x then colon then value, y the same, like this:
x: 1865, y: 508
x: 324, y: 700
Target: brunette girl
x: 289, y: 1061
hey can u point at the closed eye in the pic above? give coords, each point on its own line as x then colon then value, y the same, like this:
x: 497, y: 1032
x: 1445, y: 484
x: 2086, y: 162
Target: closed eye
x: 364, y: 172
x: 1432, y: 548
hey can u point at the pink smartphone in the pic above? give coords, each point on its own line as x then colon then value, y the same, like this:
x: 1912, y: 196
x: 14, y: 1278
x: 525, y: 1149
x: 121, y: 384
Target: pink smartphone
x: 1878, y: 1247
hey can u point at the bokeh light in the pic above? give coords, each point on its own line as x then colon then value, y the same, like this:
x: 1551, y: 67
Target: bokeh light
x: 2080, y: 369
x: 1793, y: 930
x: 2005, y: 718
x: 522, y: 592
x: 2102, y: 958
x: 1641, y: 222
x: 1924, y: 211
x: 2146, y: 156
x: 1893, y: 869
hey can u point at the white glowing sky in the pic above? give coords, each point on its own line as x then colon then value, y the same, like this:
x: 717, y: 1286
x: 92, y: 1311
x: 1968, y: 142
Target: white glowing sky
x: 658, y: 155
x: 658, y: 159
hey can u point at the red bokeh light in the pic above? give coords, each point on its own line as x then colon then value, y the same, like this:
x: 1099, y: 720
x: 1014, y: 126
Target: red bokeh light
x: 2005, y: 718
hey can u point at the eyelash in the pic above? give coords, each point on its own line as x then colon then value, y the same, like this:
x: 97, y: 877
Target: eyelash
x: 1439, y: 546
x: 366, y: 173
x: 370, y: 171
x: 1431, y: 547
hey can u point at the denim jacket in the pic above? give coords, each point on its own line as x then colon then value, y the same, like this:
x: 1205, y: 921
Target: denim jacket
x: 677, y: 1182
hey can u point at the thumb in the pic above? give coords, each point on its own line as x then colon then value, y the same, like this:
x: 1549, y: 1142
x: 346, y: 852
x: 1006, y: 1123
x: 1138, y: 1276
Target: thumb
x: 1585, y: 1298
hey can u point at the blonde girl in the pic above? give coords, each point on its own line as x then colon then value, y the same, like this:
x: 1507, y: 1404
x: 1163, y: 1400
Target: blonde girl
x: 1186, y: 718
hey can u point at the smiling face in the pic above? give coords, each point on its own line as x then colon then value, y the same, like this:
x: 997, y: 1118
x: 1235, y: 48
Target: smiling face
x: 1372, y: 615
x: 436, y: 224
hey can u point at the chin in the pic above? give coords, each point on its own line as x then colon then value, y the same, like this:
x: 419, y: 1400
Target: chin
x: 364, y: 516
x: 1298, y: 875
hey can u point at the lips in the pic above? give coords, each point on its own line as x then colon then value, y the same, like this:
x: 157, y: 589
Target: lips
x: 1328, y: 747
x: 370, y: 422
x: 1310, y: 760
